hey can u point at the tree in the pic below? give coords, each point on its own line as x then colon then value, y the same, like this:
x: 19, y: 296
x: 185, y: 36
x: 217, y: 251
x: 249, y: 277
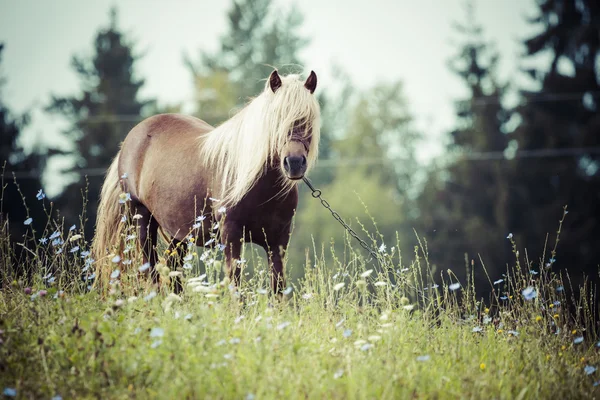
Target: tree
x: 371, y: 179
x: 101, y: 116
x: 562, y: 118
x: 28, y: 168
x: 463, y: 208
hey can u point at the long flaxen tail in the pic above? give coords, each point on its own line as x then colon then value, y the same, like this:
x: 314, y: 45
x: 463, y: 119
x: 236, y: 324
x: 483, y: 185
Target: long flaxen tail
x: 108, y: 220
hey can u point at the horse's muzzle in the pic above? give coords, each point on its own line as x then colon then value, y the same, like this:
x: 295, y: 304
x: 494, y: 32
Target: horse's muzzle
x: 295, y: 166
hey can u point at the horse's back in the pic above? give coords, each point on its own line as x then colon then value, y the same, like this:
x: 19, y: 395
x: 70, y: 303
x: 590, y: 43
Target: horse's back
x: 161, y: 159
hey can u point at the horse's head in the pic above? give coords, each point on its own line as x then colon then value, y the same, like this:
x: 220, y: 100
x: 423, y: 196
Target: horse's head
x: 295, y: 155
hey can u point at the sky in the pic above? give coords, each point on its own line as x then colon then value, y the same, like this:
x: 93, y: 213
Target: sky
x: 372, y: 40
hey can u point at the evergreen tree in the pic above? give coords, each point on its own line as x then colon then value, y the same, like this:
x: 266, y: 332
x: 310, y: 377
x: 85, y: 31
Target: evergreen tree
x: 463, y: 208
x: 28, y: 168
x: 562, y: 119
x: 101, y: 116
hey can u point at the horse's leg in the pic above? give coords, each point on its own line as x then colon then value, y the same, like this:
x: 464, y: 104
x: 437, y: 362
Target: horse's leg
x: 177, y: 250
x: 148, y: 236
x: 232, y: 235
x: 277, y: 273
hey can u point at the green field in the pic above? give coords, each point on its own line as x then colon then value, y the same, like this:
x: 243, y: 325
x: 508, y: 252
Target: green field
x: 348, y: 330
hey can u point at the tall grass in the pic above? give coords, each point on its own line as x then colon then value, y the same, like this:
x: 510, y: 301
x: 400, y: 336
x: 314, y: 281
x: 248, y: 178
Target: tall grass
x: 351, y: 328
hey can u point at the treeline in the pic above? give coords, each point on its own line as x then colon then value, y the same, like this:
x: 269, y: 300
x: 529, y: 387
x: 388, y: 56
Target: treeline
x: 508, y: 171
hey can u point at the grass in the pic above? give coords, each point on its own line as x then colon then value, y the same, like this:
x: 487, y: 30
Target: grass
x: 349, y: 329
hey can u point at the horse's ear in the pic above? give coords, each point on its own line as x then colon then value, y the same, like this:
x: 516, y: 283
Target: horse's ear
x: 274, y: 81
x: 311, y: 82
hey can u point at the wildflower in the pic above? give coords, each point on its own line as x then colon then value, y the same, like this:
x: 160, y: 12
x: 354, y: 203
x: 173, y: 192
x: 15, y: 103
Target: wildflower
x: 500, y: 331
x: 156, y: 343
x: 424, y: 358
x: 532, y: 272
x: 27, y: 291
x: 54, y: 235
x: 454, y: 286
x: 477, y: 329
x: 409, y: 307
x: 482, y: 366
x: 538, y: 318
x: 157, y: 332
x: 338, y: 286
x: 589, y: 369
x: 283, y: 325
x: 215, y: 226
x: 382, y: 248
x: 123, y: 219
x: 234, y: 340
x: 144, y: 267
x: 552, y: 260
x: 124, y: 176
x: 40, y: 194
x: 361, y: 284
x: 374, y: 338
x: 28, y: 221
x: 503, y: 298
x: 221, y: 247
x: 115, y: 274
x: 124, y: 197
x: 116, y: 259
x: 150, y: 296
x: 487, y: 320
x: 380, y: 283
x: 347, y: 333
x: 513, y: 333
x: 72, y: 228
x: 340, y: 322
x: 529, y: 293
x: 43, y: 240
x: 578, y: 340
x: 221, y: 210
x: 74, y: 238
x: 560, y: 289
x: 10, y: 392
x: 338, y: 374
x: 307, y: 296
x: 366, y: 347
x: 499, y: 281
x: 42, y: 293
x: 288, y: 290
x: 366, y: 273
x: 510, y: 236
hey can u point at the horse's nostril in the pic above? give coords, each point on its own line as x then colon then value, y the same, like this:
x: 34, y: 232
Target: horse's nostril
x: 303, y: 161
x: 286, y: 163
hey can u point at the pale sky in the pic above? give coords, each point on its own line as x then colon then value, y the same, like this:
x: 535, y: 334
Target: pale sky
x: 373, y: 40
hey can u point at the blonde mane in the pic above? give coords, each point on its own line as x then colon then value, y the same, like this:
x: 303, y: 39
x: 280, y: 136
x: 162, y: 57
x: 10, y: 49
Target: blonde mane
x: 241, y: 148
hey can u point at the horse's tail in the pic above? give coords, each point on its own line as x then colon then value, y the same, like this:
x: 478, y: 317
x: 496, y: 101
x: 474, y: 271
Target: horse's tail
x: 108, y: 218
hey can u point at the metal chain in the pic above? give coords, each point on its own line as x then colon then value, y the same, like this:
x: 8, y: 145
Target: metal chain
x: 316, y: 193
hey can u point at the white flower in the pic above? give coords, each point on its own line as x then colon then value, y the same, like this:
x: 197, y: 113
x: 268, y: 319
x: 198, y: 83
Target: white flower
x: 74, y: 238
x: 366, y: 273
x: 338, y: 286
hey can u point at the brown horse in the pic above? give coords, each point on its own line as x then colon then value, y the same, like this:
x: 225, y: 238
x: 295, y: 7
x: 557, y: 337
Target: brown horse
x: 185, y: 177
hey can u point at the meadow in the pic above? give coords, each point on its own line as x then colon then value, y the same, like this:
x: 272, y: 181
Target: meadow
x: 350, y: 328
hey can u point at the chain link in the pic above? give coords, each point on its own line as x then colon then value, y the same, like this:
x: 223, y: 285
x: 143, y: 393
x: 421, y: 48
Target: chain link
x: 316, y: 193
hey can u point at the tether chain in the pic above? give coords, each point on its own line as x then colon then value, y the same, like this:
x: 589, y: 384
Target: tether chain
x: 316, y: 193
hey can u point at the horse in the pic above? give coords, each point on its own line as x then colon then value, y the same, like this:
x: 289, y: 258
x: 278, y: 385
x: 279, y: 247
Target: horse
x: 183, y: 177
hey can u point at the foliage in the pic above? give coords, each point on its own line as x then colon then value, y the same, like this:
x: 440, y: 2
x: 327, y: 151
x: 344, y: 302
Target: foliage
x: 101, y: 116
x: 359, y: 332
x: 463, y: 208
x: 563, y: 119
x: 375, y: 172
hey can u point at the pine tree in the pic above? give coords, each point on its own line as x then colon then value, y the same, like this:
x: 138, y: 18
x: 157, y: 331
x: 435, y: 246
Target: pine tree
x: 463, y: 208
x: 101, y: 116
x: 28, y: 168
x: 562, y: 118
